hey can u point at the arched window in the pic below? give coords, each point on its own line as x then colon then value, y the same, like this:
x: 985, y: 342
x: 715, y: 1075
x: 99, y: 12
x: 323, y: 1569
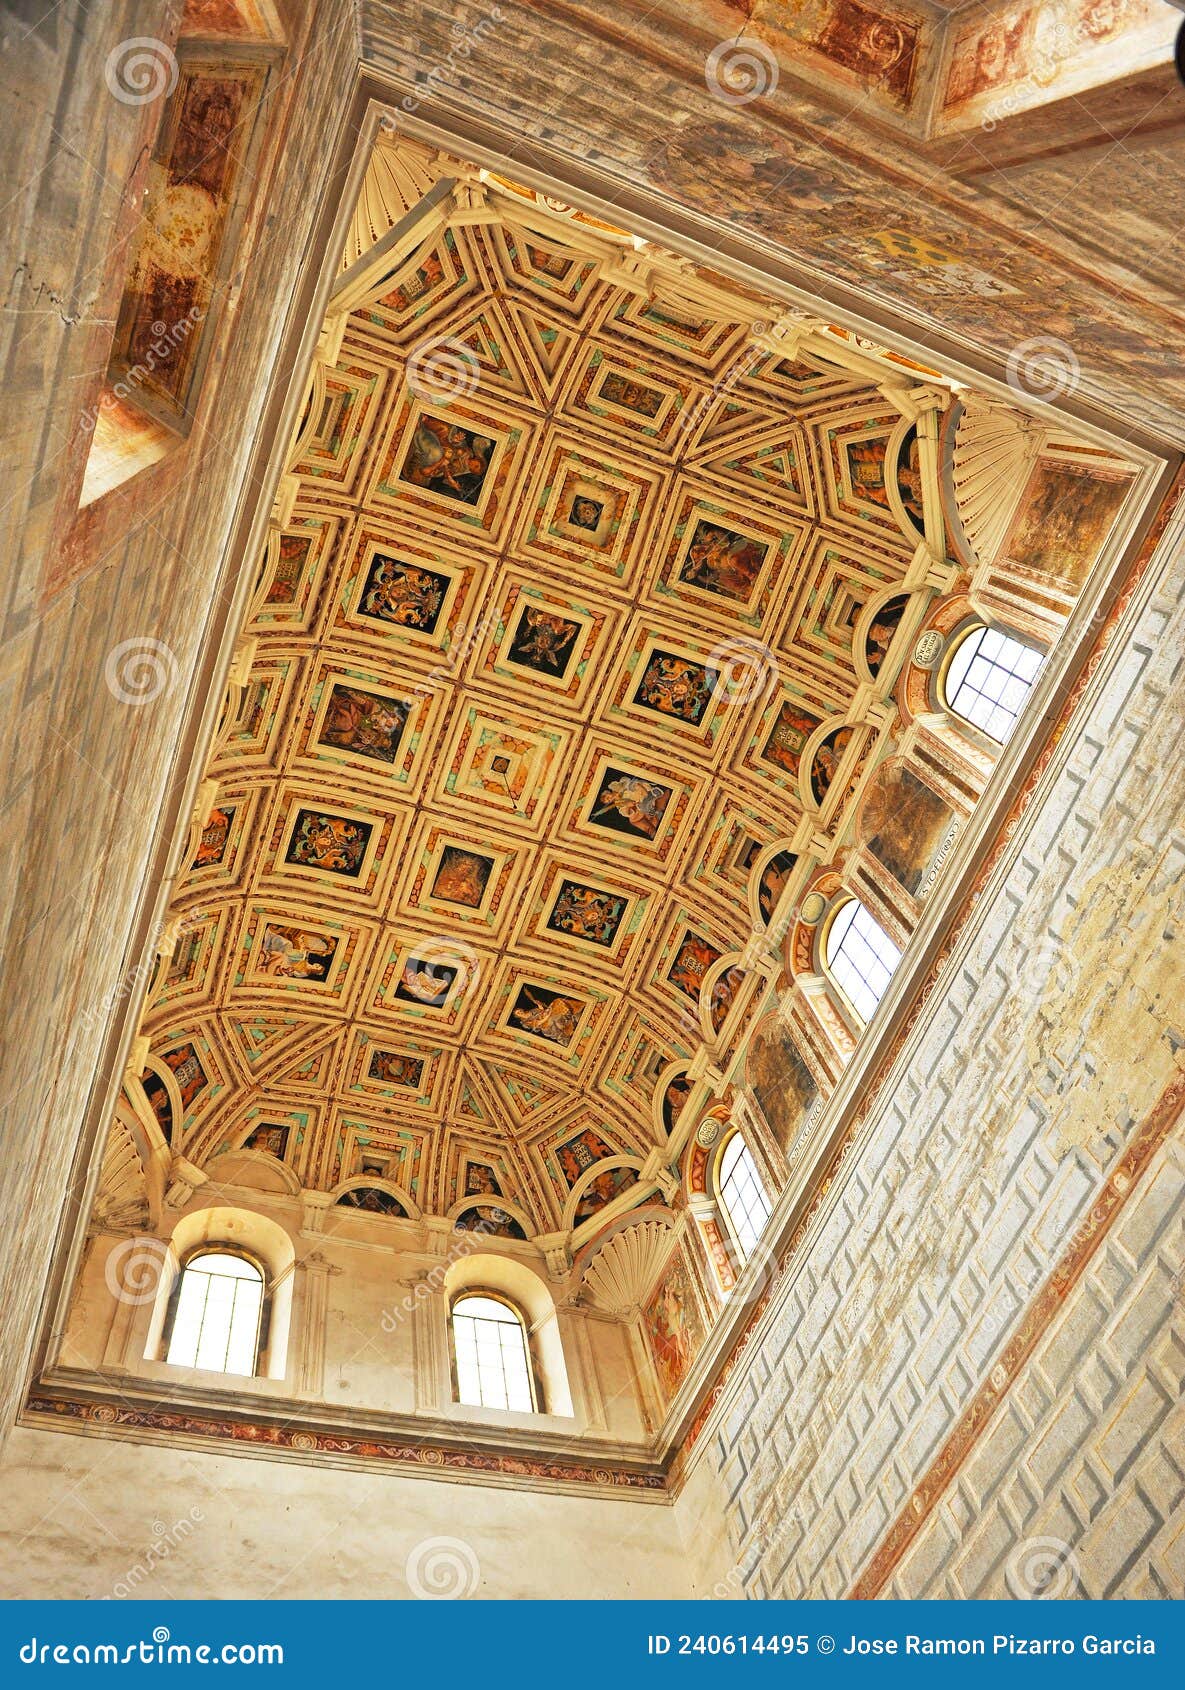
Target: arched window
x: 217, y: 1315
x: 860, y: 957
x: 492, y: 1355
x: 988, y: 678
x: 743, y: 1197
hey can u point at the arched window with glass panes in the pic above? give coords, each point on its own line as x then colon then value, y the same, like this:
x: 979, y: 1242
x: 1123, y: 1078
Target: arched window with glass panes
x: 492, y: 1354
x: 988, y: 678
x: 743, y: 1199
x: 860, y: 958
x: 216, y: 1314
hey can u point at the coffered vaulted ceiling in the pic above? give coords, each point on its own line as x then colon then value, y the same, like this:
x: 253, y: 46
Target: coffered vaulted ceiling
x: 580, y: 612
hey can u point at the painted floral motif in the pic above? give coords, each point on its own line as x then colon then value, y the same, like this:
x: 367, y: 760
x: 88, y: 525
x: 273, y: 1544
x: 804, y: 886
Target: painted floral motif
x: 675, y: 686
x: 333, y: 843
x: 403, y: 593
x: 587, y: 913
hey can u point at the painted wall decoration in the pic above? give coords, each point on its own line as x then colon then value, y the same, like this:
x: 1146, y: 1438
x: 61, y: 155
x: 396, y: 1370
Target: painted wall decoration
x: 792, y: 728
x: 489, y: 1220
x: 675, y: 686
x: 212, y: 844
x: 294, y: 953
x: 880, y: 634
x: 547, y: 1014
x: 694, y: 957
x: 366, y: 723
x: 909, y: 477
x: 722, y: 562
x: 826, y: 761
x: 462, y: 876
x: 447, y: 459
x: 587, y: 913
x: 674, y: 1324
x: 675, y: 1095
x: 875, y: 44
x: 544, y: 642
x: 195, y: 176
x: 1025, y: 54
x: 158, y: 1097
x: 774, y: 879
x: 904, y: 823
x: 1064, y: 518
x: 629, y: 804
x: 403, y: 593
x: 268, y: 1136
x: 396, y: 1069
x: 335, y: 844
x: 783, y: 1086
x: 579, y: 1154
x: 724, y: 994
x: 482, y: 1181
x: 373, y: 1199
x: 424, y: 980
x: 603, y: 1188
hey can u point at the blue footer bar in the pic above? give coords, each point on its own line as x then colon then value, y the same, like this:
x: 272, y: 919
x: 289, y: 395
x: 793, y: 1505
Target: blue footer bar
x: 579, y: 1644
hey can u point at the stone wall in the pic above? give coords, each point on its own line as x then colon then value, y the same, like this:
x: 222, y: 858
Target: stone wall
x: 966, y: 1381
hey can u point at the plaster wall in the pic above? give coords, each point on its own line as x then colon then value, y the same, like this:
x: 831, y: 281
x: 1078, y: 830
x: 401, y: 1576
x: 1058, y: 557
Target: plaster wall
x: 374, y: 1338
x: 85, y: 772
x: 81, y: 1515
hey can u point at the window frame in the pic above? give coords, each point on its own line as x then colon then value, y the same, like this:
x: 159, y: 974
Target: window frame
x: 216, y: 1248
x: 534, y: 1382
x: 977, y: 630
x: 743, y: 1254
x: 827, y: 962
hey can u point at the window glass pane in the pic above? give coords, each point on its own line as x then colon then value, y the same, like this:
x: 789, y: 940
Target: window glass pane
x: 861, y: 958
x: 989, y: 679
x: 216, y: 1320
x: 742, y: 1195
x: 490, y: 1346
